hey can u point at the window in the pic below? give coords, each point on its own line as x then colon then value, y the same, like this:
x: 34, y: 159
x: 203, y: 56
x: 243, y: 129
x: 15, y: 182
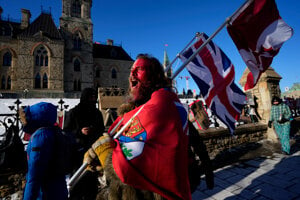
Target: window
x: 7, y: 59
x: 5, y: 31
x: 37, y: 81
x: 77, y: 85
x: 97, y: 73
x: 45, y: 81
x: 76, y: 65
x: 8, y: 83
x: 3, y: 82
x: 113, y: 74
x: 76, y: 8
x: 77, y: 42
x: 41, y: 57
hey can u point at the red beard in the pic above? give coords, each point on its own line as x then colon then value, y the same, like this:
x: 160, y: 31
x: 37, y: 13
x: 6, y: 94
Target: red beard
x: 140, y: 95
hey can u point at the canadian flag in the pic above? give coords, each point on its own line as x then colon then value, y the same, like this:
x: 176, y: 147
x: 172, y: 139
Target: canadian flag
x: 258, y: 32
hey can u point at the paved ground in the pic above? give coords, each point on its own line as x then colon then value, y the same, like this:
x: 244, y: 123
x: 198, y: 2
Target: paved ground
x: 275, y: 177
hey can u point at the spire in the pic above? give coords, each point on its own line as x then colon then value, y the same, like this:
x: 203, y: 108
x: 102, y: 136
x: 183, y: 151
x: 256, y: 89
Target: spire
x: 166, y: 63
x: 166, y: 59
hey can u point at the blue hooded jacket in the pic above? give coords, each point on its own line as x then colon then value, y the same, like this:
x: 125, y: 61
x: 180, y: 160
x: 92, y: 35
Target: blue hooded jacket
x: 42, y: 182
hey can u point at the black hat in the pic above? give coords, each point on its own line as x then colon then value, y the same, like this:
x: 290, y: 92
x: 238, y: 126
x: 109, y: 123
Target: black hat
x: 87, y: 93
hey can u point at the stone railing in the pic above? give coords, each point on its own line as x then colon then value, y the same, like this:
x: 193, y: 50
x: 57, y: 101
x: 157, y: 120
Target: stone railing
x: 219, y: 139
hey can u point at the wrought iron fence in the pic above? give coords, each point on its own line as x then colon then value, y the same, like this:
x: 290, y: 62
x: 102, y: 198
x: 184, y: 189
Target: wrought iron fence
x: 11, y: 121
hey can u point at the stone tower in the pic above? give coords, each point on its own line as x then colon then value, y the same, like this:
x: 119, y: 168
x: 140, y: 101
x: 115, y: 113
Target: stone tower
x: 77, y: 30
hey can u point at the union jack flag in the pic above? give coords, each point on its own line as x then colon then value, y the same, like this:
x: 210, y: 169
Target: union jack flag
x: 214, y: 74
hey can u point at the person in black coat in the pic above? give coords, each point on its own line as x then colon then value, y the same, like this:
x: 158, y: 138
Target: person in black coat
x: 85, y: 121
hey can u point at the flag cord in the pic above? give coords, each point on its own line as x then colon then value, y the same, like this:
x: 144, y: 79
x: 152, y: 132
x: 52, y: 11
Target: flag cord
x: 228, y: 20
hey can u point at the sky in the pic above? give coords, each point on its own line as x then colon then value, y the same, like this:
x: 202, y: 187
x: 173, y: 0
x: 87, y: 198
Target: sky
x: 152, y: 26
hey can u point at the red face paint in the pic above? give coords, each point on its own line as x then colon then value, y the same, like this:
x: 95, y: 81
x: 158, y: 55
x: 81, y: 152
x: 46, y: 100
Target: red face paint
x: 139, y: 75
x: 139, y: 70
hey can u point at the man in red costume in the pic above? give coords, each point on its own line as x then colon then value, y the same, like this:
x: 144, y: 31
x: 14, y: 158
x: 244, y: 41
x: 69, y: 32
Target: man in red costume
x: 150, y: 159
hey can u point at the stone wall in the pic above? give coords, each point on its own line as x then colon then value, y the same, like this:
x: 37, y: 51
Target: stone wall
x: 219, y: 139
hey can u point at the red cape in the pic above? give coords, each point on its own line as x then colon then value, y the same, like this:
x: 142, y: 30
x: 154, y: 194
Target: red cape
x: 153, y: 153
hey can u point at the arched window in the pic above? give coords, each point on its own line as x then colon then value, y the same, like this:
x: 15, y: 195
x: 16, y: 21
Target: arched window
x: 37, y: 81
x: 76, y: 9
x: 46, y: 60
x: 77, y: 42
x: 45, y: 81
x: 7, y: 59
x: 3, y: 81
x: 41, y: 57
x: 8, y: 83
x: 113, y: 74
x: 76, y: 65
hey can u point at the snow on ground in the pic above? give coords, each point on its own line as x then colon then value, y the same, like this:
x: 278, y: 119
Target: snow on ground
x: 4, y: 103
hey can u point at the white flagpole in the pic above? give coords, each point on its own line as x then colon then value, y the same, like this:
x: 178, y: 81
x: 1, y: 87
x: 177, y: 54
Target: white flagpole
x: 228, y: 20
x: 127, y: 123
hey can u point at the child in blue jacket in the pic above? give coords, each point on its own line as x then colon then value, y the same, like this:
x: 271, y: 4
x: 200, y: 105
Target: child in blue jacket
x: 43, y: 181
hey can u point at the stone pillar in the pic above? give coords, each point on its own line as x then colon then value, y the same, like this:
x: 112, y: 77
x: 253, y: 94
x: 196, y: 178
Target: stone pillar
x: 262, y: 93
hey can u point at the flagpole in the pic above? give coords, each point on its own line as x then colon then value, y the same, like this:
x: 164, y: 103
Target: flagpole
x: 228, y: 20
x: 177, y: 56
x: 82, y: 168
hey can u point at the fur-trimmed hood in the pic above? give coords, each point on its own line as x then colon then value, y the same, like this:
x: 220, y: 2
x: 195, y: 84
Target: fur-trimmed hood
x: 39, y: 115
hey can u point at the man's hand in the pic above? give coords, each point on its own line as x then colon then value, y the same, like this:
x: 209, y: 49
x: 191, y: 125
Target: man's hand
x: 102, y: 147
x: 85, y: 130
x: 91, y: 159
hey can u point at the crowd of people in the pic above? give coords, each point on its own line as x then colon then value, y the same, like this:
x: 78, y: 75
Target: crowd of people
x: 153, y: 156
x: 293, y: 104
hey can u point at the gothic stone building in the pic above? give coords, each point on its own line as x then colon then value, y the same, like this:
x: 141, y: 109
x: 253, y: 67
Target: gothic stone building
x: 38, y: 59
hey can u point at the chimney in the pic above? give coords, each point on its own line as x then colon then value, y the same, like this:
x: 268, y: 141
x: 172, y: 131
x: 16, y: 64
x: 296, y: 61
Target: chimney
x: 110, y: 42
x: 25, y: 18
x: 1, y: 11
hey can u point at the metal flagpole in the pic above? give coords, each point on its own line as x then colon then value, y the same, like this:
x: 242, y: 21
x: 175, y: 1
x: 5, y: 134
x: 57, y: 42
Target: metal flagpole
x: 177, y: 56
x: 80, y: 171
x: 228, y: 20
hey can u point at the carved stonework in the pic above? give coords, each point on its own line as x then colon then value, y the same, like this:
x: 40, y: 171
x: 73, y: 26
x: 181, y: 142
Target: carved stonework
x: 265, y: 89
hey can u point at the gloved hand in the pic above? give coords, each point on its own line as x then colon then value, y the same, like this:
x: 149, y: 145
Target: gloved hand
x: 283, y: 120
x: 270, y: 124
x: 102, y: 147
x: 90, y: 158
